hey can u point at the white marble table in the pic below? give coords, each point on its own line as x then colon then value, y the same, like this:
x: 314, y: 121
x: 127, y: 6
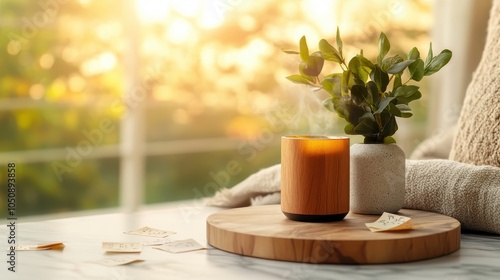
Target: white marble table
x: 478, y: 257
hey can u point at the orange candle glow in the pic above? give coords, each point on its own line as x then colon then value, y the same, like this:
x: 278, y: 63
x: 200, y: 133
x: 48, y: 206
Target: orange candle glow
x: 315, y: 177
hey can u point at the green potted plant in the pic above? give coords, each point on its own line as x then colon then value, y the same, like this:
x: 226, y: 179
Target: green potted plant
x: 369, y: 95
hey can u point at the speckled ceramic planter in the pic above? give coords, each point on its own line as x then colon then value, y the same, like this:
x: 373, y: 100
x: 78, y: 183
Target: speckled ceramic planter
x: 377, y: 178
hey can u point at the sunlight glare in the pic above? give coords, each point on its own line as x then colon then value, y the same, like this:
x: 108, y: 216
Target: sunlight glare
x: 189, y: 8
x: 84, y: 2
x: 213, y: 14
x: 252, y: 55
x: 180, y: 31
x: 46, y: 61
x: 322, y: 12
x: 152, y: 10
x: 37, y: 91
x: 76, y: 83
x: 99, y: 64
x: 207, y: 13
x: 210, y: 20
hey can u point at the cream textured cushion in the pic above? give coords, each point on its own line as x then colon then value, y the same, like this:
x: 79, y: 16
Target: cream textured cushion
x: 466, y: 192
x: 437, y: 146
x: 477, y: 140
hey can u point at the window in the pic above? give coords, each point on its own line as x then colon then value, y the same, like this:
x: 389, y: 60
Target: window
x: 111, y: 103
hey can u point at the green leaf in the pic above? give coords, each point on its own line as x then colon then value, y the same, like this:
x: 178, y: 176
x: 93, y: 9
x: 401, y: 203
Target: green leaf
x: 383, y: 46
x: 403, y: 107
x: 367, y: 115
x: 304, y: 50
x: 365, y: 62
x: 302, y: 67
x: 290, y: 52
x: 299, y: 80
x: 353, y: 112
x: 349, y: 129
x: 414, y: 53
x: 341, y: 107
x: 390, y: 127
x: 417, y: 70
x: 358, y: 70
x: 406, y: 100
x: 389, y: 61
x: 314, y: 65
x: 400, y: 110
x: 373, y: 92
x: 394, y: 110
x: 429, y: 56
x: 367, y: 127
x: 359, y: 94
x: 333, y: 85
x: 397, y: 82
x: 389, y: 140
x: 328, y: 52
x: 329, y: 104
x: 406, y: 94
x: 380, y: 78
x: 438, y: 62
x: 405, y: 91
x: 347, y: 80
x: 340, y: 45
x: 398, y: 68
x: 383, y: 104
x: 405, y: 110
x: 339, y: 80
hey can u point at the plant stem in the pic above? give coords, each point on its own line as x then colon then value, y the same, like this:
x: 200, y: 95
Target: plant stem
x: 343, y: 62
x: 379, y: 122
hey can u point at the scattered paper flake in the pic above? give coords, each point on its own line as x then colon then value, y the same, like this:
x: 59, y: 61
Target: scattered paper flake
x: 155, y: 242
x: 122, y: 247
x: 390, y: 222
x: 180, y: 246
x: 152, y: 232
x: 117, y: 261
x: 40, y: 247
x: 29, y: 247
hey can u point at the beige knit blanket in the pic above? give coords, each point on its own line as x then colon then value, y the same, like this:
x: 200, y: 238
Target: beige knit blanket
x: 468, y: 193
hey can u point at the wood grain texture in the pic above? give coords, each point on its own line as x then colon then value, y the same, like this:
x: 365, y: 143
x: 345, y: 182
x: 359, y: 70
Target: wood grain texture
x: 315, y: 175
x: 264, y: 232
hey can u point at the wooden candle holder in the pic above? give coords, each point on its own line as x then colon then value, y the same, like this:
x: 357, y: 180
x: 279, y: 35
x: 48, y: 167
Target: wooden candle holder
x: 315, y: 178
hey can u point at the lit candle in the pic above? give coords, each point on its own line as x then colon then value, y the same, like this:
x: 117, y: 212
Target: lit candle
x: 315, y: 177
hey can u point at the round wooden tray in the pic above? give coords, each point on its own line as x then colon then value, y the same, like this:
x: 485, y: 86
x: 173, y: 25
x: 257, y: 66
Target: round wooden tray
x: 264, y: 232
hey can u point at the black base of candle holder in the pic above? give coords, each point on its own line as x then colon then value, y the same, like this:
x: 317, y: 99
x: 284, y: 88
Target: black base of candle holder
x: 315, y: 218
